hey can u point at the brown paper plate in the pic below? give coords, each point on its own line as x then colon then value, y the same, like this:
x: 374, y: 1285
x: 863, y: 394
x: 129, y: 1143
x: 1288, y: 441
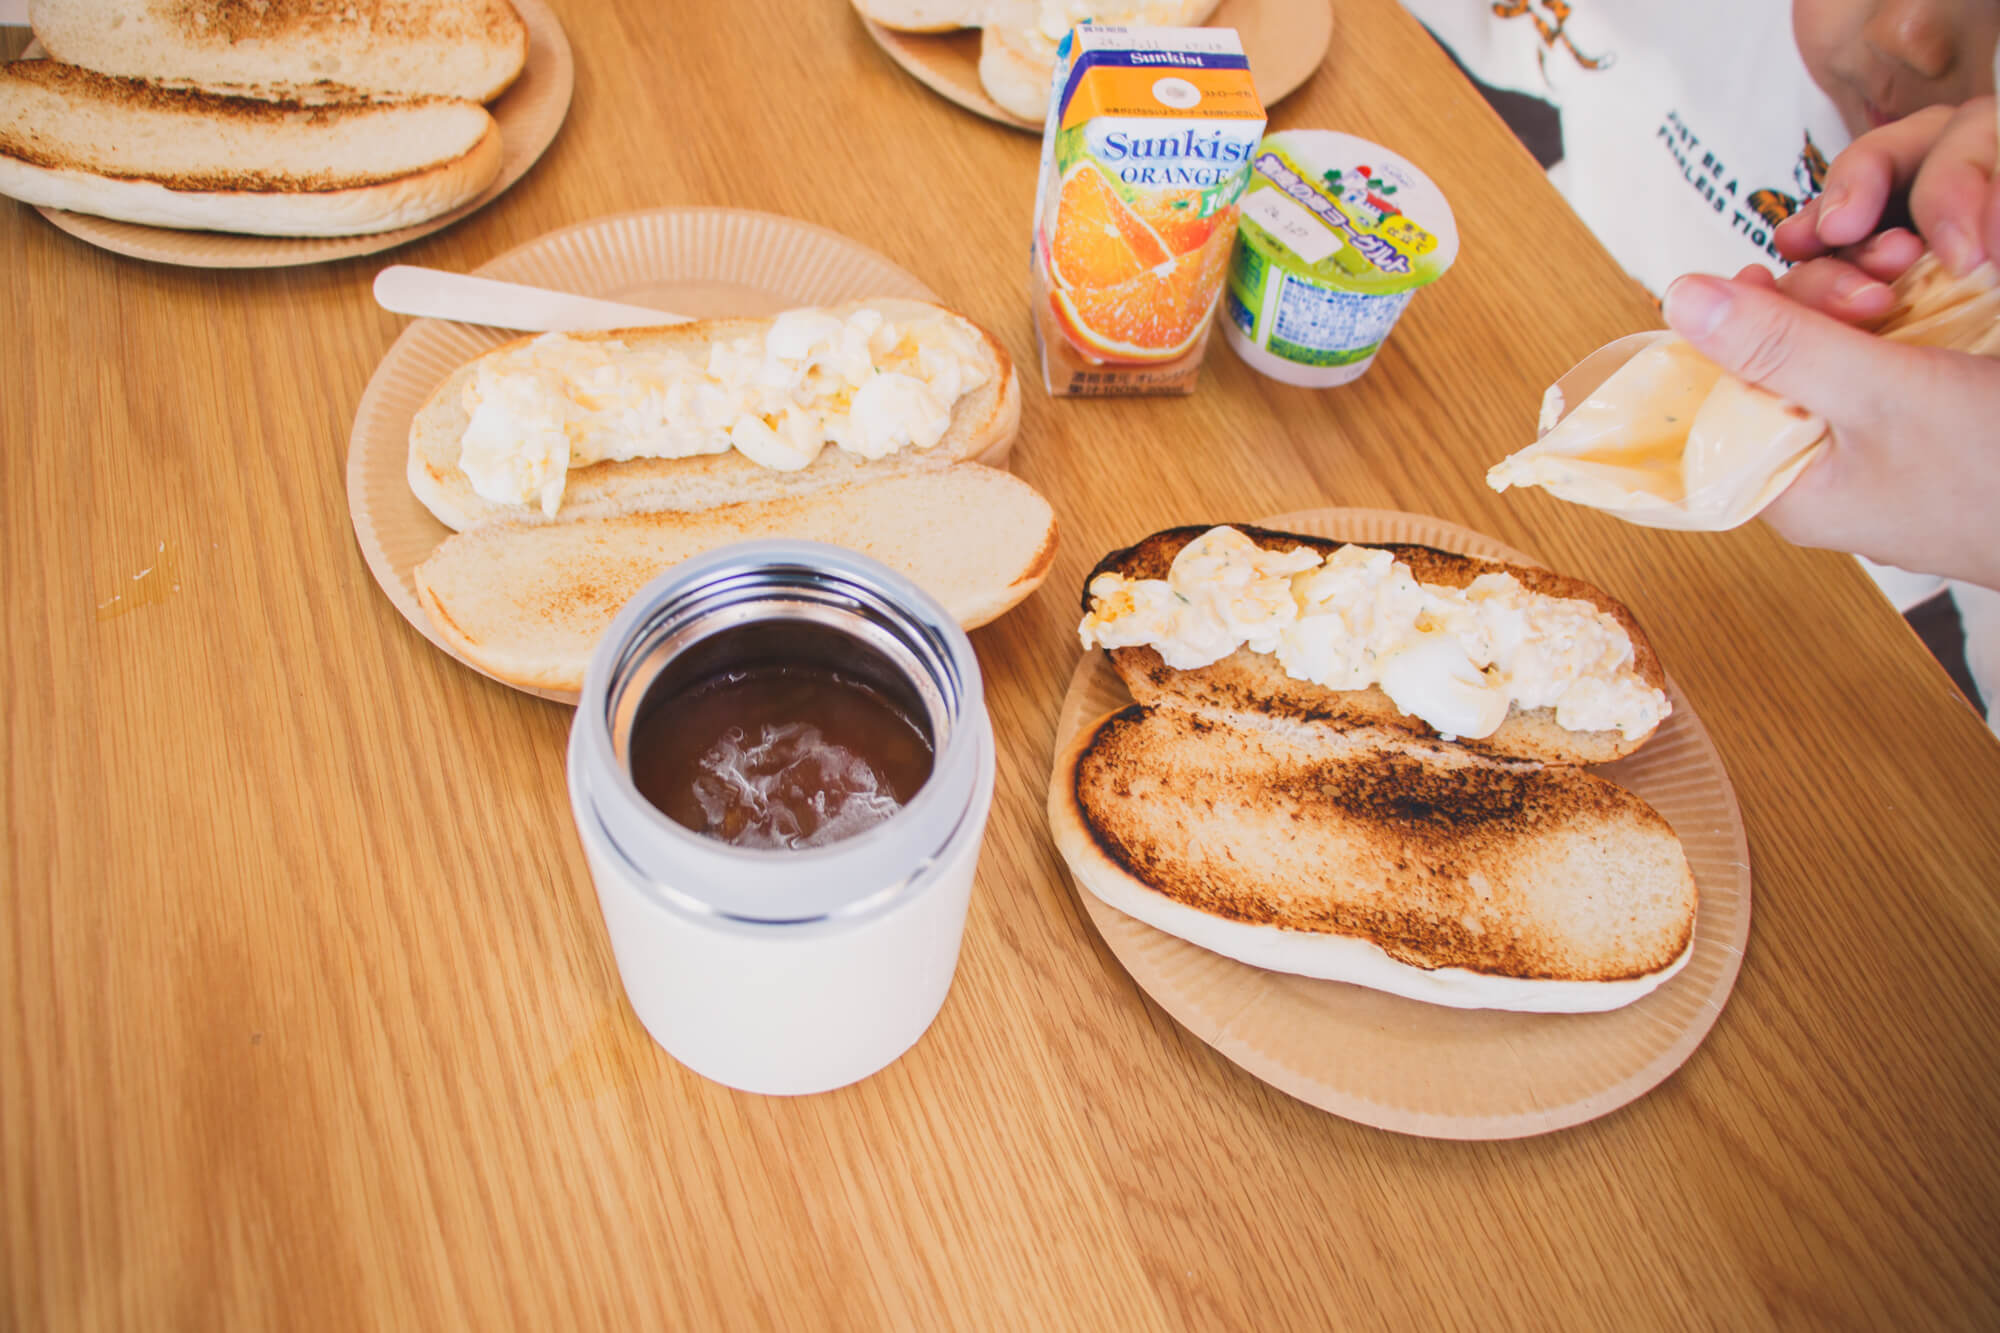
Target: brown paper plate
x: 704, y: 262
x: 1455, y: 1073
x: 1284, y: 40
x: 529, y: 113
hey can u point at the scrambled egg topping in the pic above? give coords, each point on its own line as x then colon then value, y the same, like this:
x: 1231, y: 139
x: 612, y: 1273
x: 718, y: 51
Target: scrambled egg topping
x: 863, y: 384
x: 1458, y: 658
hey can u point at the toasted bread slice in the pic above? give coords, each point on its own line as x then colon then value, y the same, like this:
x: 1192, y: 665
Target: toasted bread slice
x: 925, y: 15
x: 293, y: 50
x: 983, y: 425
x: 1015, y: 65
x: 1367, y: 857
x: 1252, y: 683
x: 528, y: 604
x: 122, y: 148
x: 1017, y: 58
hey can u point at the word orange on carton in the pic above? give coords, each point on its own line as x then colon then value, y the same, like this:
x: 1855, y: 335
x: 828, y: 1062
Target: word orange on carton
x: 1145, y: 152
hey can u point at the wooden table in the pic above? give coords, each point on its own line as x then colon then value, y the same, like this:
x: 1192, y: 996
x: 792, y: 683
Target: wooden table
x: 309, y: 1015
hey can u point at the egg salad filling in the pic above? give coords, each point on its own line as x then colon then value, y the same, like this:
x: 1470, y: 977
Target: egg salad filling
x: 862, y: 383
x: 1459, y: 658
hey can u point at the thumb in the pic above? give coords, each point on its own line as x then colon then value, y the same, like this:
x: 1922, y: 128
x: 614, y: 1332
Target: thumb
x: 1760, y: 335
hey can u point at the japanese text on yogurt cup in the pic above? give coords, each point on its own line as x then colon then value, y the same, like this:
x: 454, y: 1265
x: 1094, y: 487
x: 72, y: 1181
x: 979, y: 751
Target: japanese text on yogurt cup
x: 1337, y: 234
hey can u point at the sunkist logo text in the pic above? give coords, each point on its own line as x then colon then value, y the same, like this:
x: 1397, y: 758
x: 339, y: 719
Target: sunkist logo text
x: 1188, y: 158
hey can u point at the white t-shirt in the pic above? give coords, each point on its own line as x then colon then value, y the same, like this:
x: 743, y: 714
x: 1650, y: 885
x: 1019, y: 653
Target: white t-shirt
x: 1979, y: 618
x: 1689, y: 128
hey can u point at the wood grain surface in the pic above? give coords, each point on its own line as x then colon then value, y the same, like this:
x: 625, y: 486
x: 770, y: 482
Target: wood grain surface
x: 309, y: 1016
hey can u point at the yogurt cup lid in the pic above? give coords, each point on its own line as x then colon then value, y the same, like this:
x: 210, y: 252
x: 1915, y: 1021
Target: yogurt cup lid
x: 1346, y: 213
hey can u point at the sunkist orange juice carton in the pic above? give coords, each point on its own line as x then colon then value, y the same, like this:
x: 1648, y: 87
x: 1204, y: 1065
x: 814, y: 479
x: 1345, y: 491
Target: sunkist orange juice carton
x: 1146, y: 150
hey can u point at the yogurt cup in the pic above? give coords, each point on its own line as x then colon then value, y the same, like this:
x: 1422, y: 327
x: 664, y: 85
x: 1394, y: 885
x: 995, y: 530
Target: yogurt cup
x: 784, y: 972
x: 1336, y: 236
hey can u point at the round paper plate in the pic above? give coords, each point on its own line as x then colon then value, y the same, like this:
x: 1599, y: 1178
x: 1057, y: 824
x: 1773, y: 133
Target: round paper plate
x: 704, y: 262
x: 529, y: 113
x: 1456, y: 1073
x: 1284, y: 40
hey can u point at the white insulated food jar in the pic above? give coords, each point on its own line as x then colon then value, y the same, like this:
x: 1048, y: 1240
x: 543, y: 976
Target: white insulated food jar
x: 784, y: 972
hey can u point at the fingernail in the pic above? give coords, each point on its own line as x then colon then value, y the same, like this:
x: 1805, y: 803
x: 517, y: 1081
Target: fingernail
x: 1854, y: 288
x: 1830, y: 204
x: 1954, y: 247
x: 1882, y: 240
x: 1696, y: 306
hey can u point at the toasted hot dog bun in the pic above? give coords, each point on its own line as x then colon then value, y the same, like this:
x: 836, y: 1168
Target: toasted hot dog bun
x: 529, y: 603
x: 1017, y: 58
x: 120, y: 148
x: 1325, y: 833
x: 293, y: 50
x: 925, y: 15
x: 983, y: 424
x: 1015, y: 66
x: 1369, y: 857
x: 1253, y: 683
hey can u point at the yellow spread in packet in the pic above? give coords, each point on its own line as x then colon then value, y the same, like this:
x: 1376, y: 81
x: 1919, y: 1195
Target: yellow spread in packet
x: 1670, y: 441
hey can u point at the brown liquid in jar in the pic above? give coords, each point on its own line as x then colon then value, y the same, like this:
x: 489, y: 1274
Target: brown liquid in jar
x: 780, y: 757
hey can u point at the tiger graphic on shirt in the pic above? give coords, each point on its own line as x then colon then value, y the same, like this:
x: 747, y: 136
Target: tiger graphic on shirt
x: 1551, y: 19
x: 1808, y: 177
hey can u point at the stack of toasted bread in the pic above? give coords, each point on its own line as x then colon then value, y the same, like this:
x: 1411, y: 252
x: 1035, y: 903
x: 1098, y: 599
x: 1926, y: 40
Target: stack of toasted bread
x: 1327, y: 832
x: 284, y: 118
x: 528, y: 584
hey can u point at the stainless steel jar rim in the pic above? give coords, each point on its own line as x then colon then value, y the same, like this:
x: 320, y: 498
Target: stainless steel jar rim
x: 701, y: 876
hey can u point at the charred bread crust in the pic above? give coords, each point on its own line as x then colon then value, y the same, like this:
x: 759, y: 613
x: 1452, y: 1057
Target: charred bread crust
x: 1436, y: 857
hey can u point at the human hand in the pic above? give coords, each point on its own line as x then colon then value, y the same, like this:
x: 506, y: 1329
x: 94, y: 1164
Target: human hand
x: 1943, y: 157
x: 1853, y: 285
x: 1911, y: 476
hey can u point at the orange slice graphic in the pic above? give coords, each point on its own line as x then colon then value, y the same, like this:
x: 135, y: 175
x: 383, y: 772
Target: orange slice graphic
x: 1174, y: 216
x: 1099, y: 241
x: 1155, y: 315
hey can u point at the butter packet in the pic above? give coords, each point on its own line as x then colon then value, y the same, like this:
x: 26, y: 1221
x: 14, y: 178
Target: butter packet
x: 1671, y: 441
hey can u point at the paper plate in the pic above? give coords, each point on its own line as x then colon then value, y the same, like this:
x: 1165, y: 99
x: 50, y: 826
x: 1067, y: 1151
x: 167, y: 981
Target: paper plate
x: 529, y: 113
x: 1456, y: 1073
x: 704, y: 262
x: 1284, y: 40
